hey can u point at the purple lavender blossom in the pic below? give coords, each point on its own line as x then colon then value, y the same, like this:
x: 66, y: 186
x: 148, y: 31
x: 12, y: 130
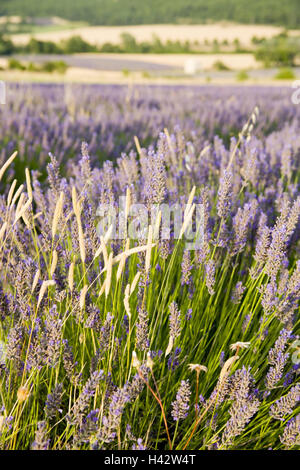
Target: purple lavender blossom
x: 277, y: 359
x: 291, y: 433
x: 285, y: 405
x: 210, y: 276
x: 224, y: 195
x: 41, y: 442
x: 237, y: 293
x: 180, y: 406
x: 175, y: 320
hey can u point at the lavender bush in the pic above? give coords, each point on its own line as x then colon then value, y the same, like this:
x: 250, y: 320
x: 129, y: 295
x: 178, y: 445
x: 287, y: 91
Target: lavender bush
x: 109, y: 343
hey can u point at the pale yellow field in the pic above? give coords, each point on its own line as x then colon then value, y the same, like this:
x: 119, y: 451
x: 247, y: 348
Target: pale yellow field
x: 101, y: 34
x: 206, y: 61
x: 80, y: 75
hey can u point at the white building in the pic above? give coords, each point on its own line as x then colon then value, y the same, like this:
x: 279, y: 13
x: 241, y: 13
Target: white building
x: 192, y: 66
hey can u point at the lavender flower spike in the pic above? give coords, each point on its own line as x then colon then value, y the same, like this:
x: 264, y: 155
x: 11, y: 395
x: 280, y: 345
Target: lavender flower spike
x: 180, y: 406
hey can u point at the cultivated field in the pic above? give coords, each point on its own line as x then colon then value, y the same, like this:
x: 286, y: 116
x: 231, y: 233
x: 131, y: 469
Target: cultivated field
x: 124, y: 328
x: 102, y: 34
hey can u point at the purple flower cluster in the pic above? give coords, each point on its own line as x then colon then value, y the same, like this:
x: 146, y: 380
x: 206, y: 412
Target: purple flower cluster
x: 181, y: 405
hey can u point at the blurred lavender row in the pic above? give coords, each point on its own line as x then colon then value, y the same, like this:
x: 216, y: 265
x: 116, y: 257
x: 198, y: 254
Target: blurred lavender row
x: 38, y: 118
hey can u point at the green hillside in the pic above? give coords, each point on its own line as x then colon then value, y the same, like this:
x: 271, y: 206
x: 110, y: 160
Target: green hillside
x: 129, y: 12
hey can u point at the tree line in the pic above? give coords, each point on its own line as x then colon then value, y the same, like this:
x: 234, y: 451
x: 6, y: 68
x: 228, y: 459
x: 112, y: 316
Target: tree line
x: 130, y: 12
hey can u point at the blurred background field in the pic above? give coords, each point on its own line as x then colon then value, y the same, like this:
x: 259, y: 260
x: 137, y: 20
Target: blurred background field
x: 98, y: 41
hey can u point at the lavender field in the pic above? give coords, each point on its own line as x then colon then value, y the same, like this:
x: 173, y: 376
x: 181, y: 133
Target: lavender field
x: 117, y: 334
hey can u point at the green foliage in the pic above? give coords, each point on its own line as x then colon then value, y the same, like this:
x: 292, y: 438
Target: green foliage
x: 155, y: 46
x: 6, y: 46
x: 108, y: 47
x: 42, y: 47
x: 14, y: 64
x: 55, y: 66
x: 73, y: 45
x: 76, y: 45
x: 280, y: 51
x: 219, y: 65
x: 285, y: 74
x: 242, y: 76
x: 108, y: 12
x: 33, y: 67
x: 129, y: 42
x: 257, y: 41
x: 49, y: 67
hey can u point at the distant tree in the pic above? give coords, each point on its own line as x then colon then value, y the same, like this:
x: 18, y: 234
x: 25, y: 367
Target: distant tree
x: 256, y: 41
x: 55, y: 66
x: 6, y: 46
x: 75, y: 45
x: 128, y: 43
x: 216, y: 46
x: 14, y: 64
x: 279, y: 51
x: 131, y: 12
x: 110, y: 48
x: 42, y: 47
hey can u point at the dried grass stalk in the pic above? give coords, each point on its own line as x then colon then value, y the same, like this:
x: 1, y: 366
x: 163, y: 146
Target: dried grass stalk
x: 57, y: 213
x: 6, y: 164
